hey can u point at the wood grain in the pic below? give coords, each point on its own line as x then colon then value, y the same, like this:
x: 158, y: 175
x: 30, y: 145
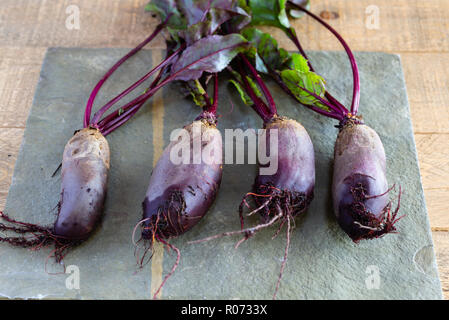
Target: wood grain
x: 437, y: 204
x: 10, y: 140
x: 19, y: 67
x: 433, y: 155
x: 441, y: 240
x: 103, y: 23
x: 418, y: 30
x: 428, y: 93
x: 404, y: 26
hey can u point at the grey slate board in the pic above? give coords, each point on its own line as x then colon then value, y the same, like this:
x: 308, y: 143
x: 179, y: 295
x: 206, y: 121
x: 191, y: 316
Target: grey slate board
x: 323, y: 262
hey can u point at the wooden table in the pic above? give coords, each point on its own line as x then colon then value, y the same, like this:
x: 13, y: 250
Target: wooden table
x: 417, y: 30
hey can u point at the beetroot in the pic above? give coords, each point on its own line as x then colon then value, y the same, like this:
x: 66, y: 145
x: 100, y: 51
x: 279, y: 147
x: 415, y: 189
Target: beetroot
x: 179, y: 195
x: 291, y: 187
x: 85, y: 167
x: 183, y: 186
x: 359, y: 184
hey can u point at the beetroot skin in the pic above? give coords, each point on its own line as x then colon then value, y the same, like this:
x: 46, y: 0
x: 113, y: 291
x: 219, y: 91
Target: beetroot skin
x: 360, y: 187
x: 85, y: 167
x: 290, y: 189
x: 84, y: 177
x: 179, y: 195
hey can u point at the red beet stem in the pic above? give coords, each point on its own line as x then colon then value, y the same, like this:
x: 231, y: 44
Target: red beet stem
x: 258, y: 104
x: 355, y: 71
x: 170, y: 78
x: 331, y: 99
x: 211, y: 108
x: 108, y: 105
x: 97, y: 88
x: 120, y: 116
x: 261, y: 84
x: 335, y: 112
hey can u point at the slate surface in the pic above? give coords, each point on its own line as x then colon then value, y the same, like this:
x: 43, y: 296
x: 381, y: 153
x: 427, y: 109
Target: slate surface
x: 323, y: 262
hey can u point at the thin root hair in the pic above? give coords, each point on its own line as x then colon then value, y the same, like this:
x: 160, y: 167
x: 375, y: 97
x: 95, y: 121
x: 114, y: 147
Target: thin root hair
x: 372, y: 226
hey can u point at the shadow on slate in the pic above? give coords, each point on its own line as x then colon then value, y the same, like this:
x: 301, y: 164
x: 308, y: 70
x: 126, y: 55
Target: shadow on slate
x: 323, y: 262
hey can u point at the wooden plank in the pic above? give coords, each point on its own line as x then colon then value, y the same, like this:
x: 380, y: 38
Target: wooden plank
x: 438, y: 208
x: 441, y: 244
x: 405, y: 25
x: 19, y: 67
x: 42, y: 23
x: 433, y: 154
x: 427, y: 86
x: 10, y: 140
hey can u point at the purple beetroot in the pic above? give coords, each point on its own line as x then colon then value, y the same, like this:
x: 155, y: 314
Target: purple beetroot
x: 179, y: 195
x: 359, y: 185
x: 291, y: 187
x: 289, y: 191
x: 181, y: 190
x: 85, y: 166
x: 84, y: 177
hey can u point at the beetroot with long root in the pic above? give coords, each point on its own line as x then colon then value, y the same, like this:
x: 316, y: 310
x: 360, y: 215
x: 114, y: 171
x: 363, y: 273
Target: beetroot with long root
x: 179, y: 195
x: 181, y: 191
x: 85, y: 167
x: 281, y: 196
x: 84, y: 175
x: 290, y: 188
